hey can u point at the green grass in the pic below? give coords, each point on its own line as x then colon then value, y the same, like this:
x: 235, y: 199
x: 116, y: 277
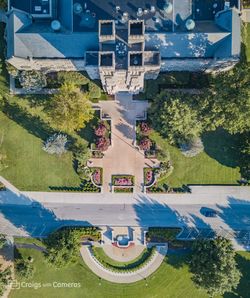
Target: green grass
x: 216, y: 165
x: 29, y: 167
x: 23, y: 128
x: 172, y: 279
x: 247, y: 41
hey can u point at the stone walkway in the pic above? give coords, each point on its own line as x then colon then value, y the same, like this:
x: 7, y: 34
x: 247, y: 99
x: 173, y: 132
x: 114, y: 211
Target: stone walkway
x: 123, y: 157
x: 128, y: 277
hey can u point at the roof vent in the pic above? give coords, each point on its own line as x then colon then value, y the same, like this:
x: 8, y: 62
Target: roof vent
x: 190, y: 24
x: 55, y: 25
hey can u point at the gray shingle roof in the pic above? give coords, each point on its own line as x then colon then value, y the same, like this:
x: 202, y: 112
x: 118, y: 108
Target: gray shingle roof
x: 39, y: 41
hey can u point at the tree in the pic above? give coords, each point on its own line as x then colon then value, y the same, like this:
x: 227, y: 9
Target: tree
x: 174, y: 118
x: 32, y: 80
x: 214, y: 267
x: 24, y: 268
x: 3, y: 4
x: 245, y: 155
x: 5, y: 278
x: 70, y: 109
x: 56, y: 144
x: 227, y: 103
x: 62, y: 247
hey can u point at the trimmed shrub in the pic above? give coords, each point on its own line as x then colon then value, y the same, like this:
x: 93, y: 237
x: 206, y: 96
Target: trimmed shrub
x: 192, y: 148
x: 74, y: 77
x: 103, y: 143
x: 32, y: 80
x: 145, y: 144
x: 56, y: 144
x: 145, y: 129
x: 101, y: 130
x: 94, y: 90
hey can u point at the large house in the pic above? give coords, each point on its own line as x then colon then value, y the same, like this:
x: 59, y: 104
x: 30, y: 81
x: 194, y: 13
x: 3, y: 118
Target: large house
x: 123, y: 42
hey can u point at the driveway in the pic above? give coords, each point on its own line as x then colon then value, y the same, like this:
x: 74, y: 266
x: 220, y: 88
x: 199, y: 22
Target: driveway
x: 123, y: 157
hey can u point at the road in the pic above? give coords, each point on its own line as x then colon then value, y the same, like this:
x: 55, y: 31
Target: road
x: 39, y: 220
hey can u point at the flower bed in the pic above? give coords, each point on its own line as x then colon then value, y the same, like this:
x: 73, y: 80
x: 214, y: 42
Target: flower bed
x: 122, y: 180
x: 103, y: 136
x: 97, y: 176
x: 149, y: 176
x: 123, y: 189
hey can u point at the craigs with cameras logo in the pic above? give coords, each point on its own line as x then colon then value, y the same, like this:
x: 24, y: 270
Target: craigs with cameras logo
x: 15, y: 285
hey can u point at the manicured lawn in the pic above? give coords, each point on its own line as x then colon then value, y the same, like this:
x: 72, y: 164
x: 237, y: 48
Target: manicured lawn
x: 23, y: 128
x: 172, y: 279
x: 216, y: 165
x: 247, y: 41
x: 29, y: 167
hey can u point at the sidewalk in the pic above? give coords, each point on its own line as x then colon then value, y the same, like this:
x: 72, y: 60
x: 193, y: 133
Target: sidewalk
x: 128, y: 277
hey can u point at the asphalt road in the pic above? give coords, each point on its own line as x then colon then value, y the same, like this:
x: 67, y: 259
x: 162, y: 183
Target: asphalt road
x: 40, y: 219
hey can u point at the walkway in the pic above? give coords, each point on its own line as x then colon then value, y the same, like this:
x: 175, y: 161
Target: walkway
x: 123, y: 157
x: 128, y: 277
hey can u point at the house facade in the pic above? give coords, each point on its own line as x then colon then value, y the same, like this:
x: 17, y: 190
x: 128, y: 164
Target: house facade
x: 121, y: 43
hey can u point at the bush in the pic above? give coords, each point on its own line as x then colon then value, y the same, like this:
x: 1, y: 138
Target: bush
x: 14, y: 72
x: 192, y: 148
x: 56, y: 144
x: 73, y: 77
x: 103, y: 143
x: 145, y: 144
x: 32, y: 80
x: 94, y: 91
x: 82, y: 154
x: 84, y: 172
x: 101, y: 130
x: 162, y: 234
x: 145, y: 129
x: 165, y: 169
x: 24, y: 268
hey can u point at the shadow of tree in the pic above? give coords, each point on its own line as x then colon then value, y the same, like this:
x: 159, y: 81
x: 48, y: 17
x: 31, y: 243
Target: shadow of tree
x: 33, y: 124
x: 178, y: 260
x: 34, y: 218
x: 223, y: 147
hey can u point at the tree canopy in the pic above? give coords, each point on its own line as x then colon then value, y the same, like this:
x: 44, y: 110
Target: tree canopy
x: 227, y: 101
x: 174, y: 118
x: 70, y: 108
x: 62, y: 247
x: 214, y: 266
